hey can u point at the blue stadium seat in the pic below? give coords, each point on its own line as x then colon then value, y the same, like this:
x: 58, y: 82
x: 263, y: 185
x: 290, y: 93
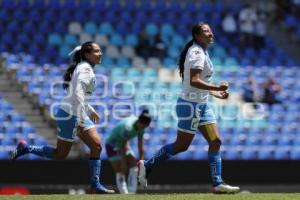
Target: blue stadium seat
x: 126, y: 16
x: 151, y: 29
x: 64, y: 51
x: 145, y: 6
x: 100, y: 6
x: 106, y: 28
x: 249, y: 154
x: 70, y: 40
x: 265, y: 153
x: 7, y: 142
x: 136, y: 28
x: 116, y: 39
x: 38, y: 5
x: 91, y: 28
x: 4, y: 155
x: 60, y: 27
x: 155, y: 17
x: 70, y: 5
x: 281, y: 153
x: 5, y: 16
x: 130, y: 6
x: 131, y: 40
x: 169, y: 62
x: 175, y: 7
x: 160, y: 7
x: 178, y: 41
x: 122, y: 62
x: 54, y: 5
x: 50, y: 15
x: 295, y: 153
x: 231, y: 155
x: 55, y: 39
x: 67, y: 15
x: 20, y: 15
x: 8, y: 5
x: 82, y: 17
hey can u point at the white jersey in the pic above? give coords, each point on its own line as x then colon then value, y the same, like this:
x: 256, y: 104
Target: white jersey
x: 196, y: 58
x: 83, y: 83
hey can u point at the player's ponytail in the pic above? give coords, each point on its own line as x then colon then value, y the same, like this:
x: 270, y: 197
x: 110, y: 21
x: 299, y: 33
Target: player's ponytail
x: 196, y: 30
x: 182, y: 58
x: 79, y: 55
x: 145, y: 117
x: 68, y: 74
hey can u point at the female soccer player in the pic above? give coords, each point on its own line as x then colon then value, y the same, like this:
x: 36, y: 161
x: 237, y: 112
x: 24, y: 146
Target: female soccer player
x: 75, y: 116
x: 121, y: 155
x: 196, y: 69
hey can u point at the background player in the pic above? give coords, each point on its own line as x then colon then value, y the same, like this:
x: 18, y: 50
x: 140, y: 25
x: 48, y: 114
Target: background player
x: 120, y: 154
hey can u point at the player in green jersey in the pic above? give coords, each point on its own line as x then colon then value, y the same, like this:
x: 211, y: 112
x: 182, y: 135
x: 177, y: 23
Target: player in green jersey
x: 121, y: 155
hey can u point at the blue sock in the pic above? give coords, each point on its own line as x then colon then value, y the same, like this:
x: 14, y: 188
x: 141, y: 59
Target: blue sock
x: 215, y: 164
x: 165, y: 153
x: 43, y: 151
x: 95, y: 168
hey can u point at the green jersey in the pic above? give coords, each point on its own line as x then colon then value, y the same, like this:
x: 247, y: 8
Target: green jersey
x: 124, y: 130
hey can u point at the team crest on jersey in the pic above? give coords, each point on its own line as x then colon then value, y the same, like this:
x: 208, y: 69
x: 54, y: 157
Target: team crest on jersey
x: 196, y: 52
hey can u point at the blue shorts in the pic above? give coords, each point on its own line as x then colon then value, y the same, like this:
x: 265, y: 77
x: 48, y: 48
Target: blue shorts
x: 191, y: 115
x: 67, y: 125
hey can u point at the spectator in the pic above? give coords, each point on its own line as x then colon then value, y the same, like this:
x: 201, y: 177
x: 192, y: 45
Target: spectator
x: 271, y: 91
x: 247, y: 21
x: 143, y: 47
x: 229, y: 25
x: 159, y: 47
x: 282, y: 7
x: 250, y: 91
x: 260, y: 30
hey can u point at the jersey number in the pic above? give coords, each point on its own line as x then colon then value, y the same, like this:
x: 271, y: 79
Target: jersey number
x: 194, y: 124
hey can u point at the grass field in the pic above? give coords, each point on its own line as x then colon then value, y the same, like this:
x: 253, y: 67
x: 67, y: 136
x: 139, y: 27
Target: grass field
x: 261, y: 196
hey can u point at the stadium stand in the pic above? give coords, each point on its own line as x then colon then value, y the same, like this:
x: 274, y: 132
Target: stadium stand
x: 14, y: 128
x: 38, y: 52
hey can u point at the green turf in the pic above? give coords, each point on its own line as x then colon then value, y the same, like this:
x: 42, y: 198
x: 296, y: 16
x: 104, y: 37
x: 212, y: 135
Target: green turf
x: 277, y: 196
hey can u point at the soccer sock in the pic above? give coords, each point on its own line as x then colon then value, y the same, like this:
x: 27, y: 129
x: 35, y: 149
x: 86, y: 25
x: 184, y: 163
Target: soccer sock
x: 165, y: 153
x: 215, y: 164
x: 132, y: 180
x: 95, y: 167
x: 43, y: 151
x: 121, y: 183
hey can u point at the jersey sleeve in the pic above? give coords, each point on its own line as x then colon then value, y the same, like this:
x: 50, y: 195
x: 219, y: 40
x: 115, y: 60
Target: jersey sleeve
x: 89, y: 109
x: 196, y: 58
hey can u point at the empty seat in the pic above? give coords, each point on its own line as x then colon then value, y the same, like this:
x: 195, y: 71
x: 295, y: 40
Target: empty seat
x: 101, y: 39
x: 127, y: 52
x: 112, y: 51
x: 75, y: 28
x: 85, y: 37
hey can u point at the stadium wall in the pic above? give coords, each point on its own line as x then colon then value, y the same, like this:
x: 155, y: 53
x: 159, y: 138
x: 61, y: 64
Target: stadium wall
x: 173, y: 172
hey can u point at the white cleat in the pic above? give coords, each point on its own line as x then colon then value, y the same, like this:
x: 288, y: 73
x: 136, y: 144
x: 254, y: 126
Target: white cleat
x: 142, y: 174
x: 225, y: 189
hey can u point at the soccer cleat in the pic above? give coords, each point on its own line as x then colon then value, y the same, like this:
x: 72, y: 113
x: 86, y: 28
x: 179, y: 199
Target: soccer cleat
x: 22, y: 149
x: 225, y: 189
x: 142, y: 174
x: 100, y: 189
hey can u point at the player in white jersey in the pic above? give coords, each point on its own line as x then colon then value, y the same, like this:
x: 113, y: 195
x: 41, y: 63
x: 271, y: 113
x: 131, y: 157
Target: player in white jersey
x: 75, y: 116
x: 193, y: 111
